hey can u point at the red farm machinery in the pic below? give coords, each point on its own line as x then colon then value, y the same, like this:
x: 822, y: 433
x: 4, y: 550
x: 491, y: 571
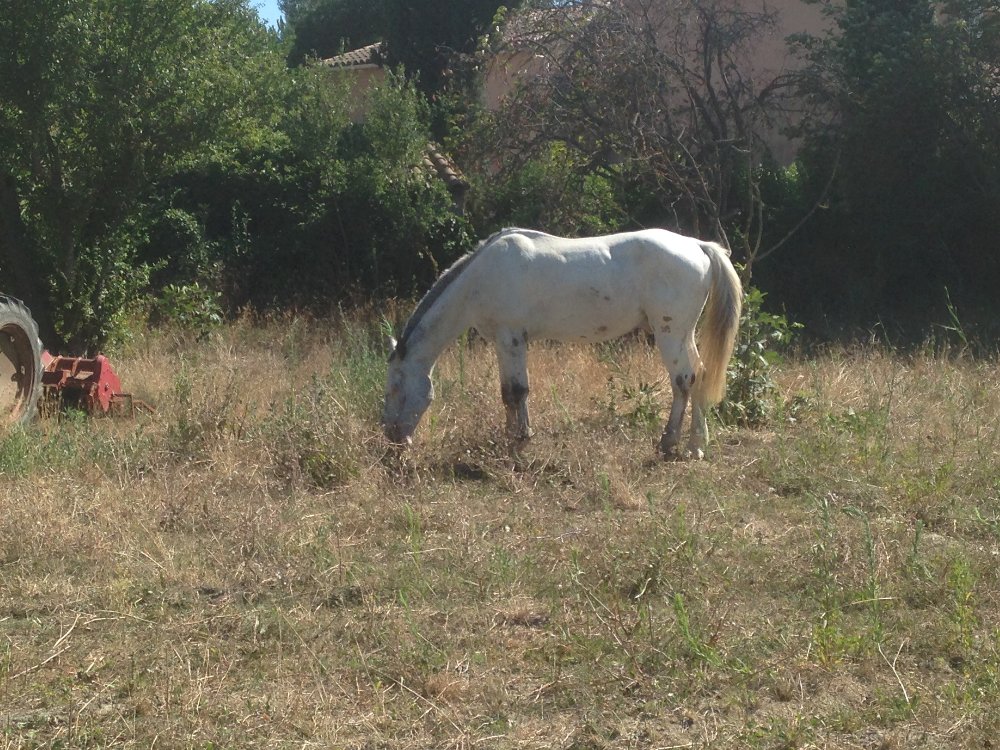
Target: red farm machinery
x: 27, y: 373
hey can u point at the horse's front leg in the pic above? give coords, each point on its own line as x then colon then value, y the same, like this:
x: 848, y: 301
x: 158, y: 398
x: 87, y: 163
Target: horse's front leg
x: 676, y: 354
x: 672, y: 431
x: 512, y: 355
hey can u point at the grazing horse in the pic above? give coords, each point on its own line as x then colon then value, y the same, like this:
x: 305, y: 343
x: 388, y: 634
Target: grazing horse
x: 520, y: 285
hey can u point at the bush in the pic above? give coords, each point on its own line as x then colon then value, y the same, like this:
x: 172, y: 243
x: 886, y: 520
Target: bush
x: 751, y: 393
x: 190, y: 307
x: 554, y: 192
x: 330, y: 210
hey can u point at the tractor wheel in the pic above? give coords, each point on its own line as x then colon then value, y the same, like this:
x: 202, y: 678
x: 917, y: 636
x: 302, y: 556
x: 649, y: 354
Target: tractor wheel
x: 20, y: 363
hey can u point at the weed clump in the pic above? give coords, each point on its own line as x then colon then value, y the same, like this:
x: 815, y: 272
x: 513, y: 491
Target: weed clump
x: 751, y: 392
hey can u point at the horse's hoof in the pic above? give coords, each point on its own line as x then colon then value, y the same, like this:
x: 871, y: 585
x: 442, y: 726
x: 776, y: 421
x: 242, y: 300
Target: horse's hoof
x: 667, y: 448
x: 520, y: 437
x: 671, y: 453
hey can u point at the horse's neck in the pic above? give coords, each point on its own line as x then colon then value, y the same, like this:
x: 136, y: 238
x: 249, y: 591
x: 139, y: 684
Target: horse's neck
x: 444, y: 322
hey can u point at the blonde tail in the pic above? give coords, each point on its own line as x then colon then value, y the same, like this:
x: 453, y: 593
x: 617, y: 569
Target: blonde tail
x: 720, y: 326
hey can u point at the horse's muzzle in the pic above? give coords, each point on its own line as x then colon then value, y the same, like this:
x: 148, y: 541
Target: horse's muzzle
x: 394, y: 434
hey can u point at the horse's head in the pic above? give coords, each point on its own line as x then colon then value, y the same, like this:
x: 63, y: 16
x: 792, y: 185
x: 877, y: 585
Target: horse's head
x: 408, y: 393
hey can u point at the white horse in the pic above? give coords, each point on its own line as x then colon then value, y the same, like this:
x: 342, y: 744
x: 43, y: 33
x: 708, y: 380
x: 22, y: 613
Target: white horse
x: 521, y: 285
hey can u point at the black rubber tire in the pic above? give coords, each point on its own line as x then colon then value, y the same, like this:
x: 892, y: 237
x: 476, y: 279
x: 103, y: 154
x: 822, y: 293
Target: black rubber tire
x: 20, y: 363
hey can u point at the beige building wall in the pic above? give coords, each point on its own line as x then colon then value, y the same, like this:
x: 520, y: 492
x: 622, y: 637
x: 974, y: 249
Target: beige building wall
x: 773, y: 58
x: 794, y: 17
x: 362, y: 70
x: 770, y: 58
x: 360, y: 80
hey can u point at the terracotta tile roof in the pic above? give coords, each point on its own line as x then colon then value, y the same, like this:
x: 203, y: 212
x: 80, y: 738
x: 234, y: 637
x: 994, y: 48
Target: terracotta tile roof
x: 356, y: 58
x: 446, y: 170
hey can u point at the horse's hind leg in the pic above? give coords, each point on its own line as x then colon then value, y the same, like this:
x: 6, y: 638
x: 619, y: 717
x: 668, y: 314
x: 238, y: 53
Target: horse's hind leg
x: 699, y: 427
x: 672, y: 431
x: 512, y: 355
x: 679, y: 357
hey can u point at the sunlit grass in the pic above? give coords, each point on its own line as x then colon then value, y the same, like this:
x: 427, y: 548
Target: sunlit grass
x: 251, y: 565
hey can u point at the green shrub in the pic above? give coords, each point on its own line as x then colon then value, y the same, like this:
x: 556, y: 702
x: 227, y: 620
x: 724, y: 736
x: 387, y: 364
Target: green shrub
x: 555, y: 192
x: 751, y: 393
x: 331, y: 209
x: 191, y: 307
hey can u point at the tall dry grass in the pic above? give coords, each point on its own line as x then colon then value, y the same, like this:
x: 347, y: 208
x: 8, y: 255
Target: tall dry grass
x: 251, y: 566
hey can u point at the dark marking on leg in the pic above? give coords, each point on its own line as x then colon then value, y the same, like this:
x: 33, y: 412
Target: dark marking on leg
x: 513, y: 394
x: 607, y: 298
x: 602, y: 329
x: 507, y: 394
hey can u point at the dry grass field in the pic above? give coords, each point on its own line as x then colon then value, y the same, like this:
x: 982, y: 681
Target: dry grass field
x: 250, y: 566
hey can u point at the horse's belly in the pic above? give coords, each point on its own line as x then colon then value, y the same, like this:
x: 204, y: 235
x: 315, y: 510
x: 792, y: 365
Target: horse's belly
x: 587, y: 300
x: 593, y: 333
x: 595, y: 317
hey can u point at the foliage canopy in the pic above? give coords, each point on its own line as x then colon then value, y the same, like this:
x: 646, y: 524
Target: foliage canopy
x: 167, y: 144
x: 906, y: 123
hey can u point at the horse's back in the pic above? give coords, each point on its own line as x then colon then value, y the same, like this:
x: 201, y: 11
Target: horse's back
x: 633, y: 247
x: 661, y: 247
x: 586, y: 289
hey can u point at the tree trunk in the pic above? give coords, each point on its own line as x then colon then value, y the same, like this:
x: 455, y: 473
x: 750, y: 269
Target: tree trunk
x: 22, y: 277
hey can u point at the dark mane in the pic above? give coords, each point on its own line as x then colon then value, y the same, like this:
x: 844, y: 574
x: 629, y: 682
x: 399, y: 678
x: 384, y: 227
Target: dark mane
x: 439, y: 288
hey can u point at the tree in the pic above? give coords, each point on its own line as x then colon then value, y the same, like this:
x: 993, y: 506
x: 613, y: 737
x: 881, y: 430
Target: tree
x: 426, y: 37
x: 906, y: 101
x: 97, y: 99
x: 429, y: 37
x: 662, y: 98
x: 325, y: 211
x: 324, y: 28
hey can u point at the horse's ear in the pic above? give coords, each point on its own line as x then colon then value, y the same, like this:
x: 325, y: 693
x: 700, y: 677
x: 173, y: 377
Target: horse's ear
x: 391, y: 345
x: 388, y: 340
